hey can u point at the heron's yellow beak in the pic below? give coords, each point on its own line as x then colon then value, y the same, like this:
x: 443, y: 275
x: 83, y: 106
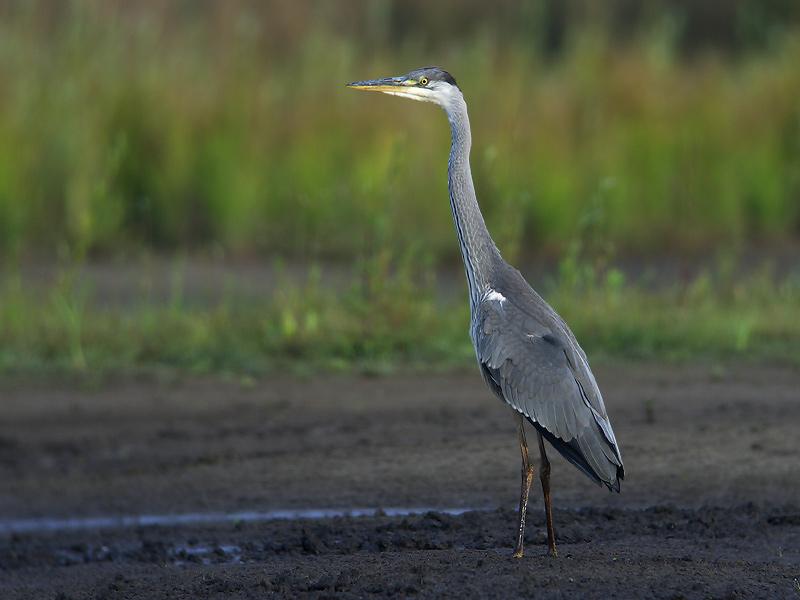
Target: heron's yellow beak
x: 386, y: 89
x: 387, y: 85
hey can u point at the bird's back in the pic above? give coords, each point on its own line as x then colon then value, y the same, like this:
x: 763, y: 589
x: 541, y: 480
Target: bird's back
x: 531, y: 359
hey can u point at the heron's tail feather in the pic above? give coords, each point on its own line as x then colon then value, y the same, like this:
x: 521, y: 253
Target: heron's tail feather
x: 601, y: 468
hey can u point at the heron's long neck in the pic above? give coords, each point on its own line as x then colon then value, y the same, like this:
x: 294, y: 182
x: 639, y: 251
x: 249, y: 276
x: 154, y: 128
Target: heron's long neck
x: 477, y: 247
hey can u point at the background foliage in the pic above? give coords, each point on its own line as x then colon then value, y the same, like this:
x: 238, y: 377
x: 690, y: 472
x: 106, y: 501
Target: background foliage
x: 225, y: 125
x: 607, y: 136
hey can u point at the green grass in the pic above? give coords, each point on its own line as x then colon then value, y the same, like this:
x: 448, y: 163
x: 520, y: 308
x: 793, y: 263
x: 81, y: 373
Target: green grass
x: 153, y: 129
x: 387, y: 319
x: 128, y: 130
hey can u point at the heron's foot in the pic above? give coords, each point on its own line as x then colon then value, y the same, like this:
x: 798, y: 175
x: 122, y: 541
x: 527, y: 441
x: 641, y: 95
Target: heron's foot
x: 551, y: 550
x: 518, y: 553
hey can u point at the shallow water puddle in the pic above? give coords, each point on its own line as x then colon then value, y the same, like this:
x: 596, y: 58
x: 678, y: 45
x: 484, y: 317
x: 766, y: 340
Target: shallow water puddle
x: 45, y: 524
x: 228, y: 554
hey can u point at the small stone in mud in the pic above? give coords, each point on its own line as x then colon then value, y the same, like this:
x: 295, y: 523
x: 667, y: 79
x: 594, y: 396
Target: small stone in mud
x: 311, y: 543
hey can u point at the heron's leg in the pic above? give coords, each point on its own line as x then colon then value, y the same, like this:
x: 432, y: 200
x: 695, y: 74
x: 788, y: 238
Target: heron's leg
x: 544, y: 475
x: 527, y: 479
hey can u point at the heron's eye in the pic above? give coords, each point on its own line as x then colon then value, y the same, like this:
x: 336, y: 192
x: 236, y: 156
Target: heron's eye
x: 423, y: 81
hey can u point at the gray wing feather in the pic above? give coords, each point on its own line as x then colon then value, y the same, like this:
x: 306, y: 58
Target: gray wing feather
x: 535, y: 364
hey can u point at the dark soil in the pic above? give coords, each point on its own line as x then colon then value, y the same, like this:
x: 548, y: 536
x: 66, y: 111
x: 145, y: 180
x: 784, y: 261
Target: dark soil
x: 710, y: 507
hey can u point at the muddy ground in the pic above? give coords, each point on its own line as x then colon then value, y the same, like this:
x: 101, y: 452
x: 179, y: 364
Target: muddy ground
x: 710, y: 508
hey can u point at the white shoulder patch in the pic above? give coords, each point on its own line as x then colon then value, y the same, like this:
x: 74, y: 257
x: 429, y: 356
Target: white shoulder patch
x: 494, y: 296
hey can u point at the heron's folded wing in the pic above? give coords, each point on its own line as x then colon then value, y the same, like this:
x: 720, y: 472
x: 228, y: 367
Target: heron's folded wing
x: 533, y: 370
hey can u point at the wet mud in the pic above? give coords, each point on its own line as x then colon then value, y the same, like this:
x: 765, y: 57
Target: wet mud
x: 710, y: 507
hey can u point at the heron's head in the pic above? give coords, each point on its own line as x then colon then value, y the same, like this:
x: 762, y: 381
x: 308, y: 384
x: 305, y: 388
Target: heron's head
x: 429, y: 84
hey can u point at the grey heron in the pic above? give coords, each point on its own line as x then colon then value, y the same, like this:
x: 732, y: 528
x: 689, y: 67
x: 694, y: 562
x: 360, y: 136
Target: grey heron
x: 527, y: 354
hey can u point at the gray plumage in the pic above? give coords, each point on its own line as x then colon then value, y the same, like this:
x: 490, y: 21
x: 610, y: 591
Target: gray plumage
x: 527, y: 354
x: 530, y: 359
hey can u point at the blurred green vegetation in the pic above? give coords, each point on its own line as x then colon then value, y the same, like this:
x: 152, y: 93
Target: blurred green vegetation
x: 389, y: 318
x: 225, y: 126
x: 601, y: 131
